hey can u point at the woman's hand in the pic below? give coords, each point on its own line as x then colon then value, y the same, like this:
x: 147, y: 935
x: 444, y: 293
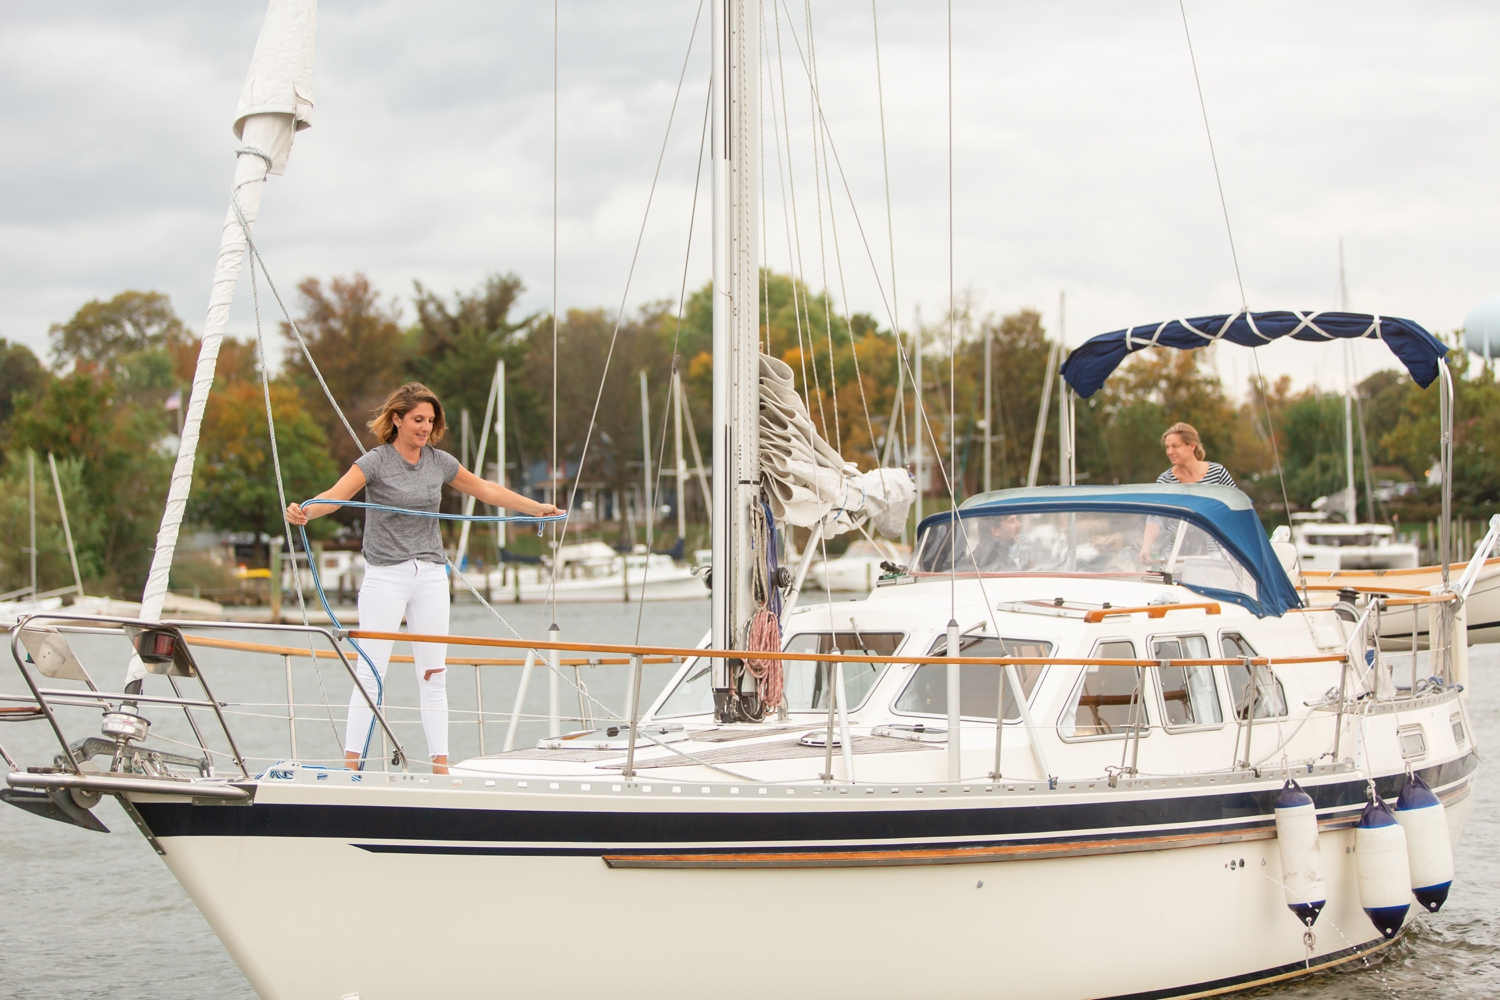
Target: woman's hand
x: 295, y: 514
x: 546, y: 510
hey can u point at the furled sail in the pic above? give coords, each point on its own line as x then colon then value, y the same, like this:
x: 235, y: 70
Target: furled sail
x: 808, y: 480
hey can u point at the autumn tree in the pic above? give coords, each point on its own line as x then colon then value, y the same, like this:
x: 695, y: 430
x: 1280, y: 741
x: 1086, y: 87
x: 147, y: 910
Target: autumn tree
x: 358, y: 344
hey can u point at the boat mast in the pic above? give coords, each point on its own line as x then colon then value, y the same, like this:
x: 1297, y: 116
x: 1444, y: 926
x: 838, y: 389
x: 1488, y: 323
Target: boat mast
x: 275, y: 104
x: 677, y: 448
x: 646, y: 499
x: 736, y: 313
x: 1351, y: 515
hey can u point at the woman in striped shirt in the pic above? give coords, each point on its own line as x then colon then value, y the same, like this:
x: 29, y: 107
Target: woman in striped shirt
x: 1190, y: 465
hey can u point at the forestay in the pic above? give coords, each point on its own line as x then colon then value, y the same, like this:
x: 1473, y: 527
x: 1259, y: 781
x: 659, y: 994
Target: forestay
x: 808, y: 481
x: 1092, y: 362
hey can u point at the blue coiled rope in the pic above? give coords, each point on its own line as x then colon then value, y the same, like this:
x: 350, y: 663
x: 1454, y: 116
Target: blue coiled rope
x: 323, y: 597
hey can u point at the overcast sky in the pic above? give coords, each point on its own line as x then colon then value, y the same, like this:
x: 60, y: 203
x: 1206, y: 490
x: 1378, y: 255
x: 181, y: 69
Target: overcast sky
x: 1079, y: 157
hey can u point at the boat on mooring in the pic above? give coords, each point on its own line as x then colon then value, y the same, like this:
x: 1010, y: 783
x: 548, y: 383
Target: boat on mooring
x: 1025, y: 746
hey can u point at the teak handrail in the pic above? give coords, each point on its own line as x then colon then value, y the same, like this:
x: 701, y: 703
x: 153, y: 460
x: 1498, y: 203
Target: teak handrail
x: 1151, y: 610
x: 328, y: 654
x: 737, y: 654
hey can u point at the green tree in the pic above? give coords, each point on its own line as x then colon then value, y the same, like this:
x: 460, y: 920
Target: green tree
x: 105, y: 334
x: 456, y: 347
x: 125, y: 468
x: 358, y: 345
x: 584, y: 338
x: 22, y: 378
x: 53, y: 569
x: 234, y: 485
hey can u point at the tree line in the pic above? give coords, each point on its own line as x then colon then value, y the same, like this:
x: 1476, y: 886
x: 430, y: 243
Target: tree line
x: 99, y: 405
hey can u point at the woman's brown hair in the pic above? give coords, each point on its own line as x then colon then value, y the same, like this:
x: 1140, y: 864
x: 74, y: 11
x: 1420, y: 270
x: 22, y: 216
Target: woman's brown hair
x: 1189, y: 435
x: 401, y: 402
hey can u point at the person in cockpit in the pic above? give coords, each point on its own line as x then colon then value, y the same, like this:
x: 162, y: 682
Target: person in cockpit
x: 998, y: 547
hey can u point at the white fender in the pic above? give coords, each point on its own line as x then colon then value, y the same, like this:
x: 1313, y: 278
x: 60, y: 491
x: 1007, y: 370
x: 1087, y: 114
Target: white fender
x: 1384, y: 872
x: 1428, y: 849
x: 1301, y: 858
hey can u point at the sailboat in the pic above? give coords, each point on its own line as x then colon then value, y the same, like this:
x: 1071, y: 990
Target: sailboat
x: 1331, y: 555
x: 589, y: 571
x: 1023, y: 749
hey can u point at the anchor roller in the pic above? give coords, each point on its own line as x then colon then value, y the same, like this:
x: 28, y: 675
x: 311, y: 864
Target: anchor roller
x: 1383, y: 871
x: 1301, y: 858
x: 1429, y: 850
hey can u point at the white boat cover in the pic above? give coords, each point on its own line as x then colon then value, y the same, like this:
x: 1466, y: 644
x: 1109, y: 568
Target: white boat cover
x: 280, y: 80
x: 808, y: 480
x: 275, y: 103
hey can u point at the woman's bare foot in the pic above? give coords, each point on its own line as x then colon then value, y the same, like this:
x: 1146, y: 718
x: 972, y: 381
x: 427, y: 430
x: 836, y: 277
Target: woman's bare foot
x: 440, y: 764
x: 351, y: 761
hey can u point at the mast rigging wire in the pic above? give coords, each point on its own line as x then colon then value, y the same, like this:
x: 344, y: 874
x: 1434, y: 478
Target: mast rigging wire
x: 781, y: 177
x: 838, y: 258
x: 256, y: 258
x: 799, y: 272
x: 813, y: 100
x: 265, y: 386
x: 1239, y: 279
x: 552, y: 479
x: 668, y: 411
x: 890, y: 231
x: 952, y: 346
x: 625, y: 294
x: 919, y: 418
x: 1218, y: 180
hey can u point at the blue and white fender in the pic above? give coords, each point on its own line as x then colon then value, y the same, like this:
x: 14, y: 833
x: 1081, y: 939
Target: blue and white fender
x: 1301, y: 858
x: 1428, y: 848
x: 1384, y: 872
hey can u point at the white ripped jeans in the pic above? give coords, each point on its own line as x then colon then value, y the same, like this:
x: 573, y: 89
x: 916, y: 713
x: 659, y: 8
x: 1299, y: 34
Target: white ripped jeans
x: 418, y: 590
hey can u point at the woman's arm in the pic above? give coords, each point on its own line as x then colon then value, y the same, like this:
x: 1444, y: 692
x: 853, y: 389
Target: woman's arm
x: 1148, y: 539
x: 498, y: 496
x: 352, y: 482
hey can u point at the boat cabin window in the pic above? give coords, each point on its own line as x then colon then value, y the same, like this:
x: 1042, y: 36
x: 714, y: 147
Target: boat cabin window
x: 807, y: 681
x: 1108, y: 700
x: 1189, y: 695
x: 978, y: 683
x: 693, y: 695
x: 1265, y: 691
x: 1084, y: 542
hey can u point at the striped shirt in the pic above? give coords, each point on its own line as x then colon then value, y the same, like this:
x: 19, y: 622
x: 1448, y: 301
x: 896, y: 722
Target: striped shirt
x: 1216, y: 475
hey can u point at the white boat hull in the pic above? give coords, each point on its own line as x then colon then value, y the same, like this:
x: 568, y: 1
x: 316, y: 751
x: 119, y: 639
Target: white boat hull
x: 1482, y: 610
x: 331, y: 912
x: 536, y: 587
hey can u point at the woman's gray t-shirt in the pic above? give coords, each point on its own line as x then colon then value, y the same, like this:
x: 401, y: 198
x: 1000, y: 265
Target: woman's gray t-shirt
x: 393, y: 481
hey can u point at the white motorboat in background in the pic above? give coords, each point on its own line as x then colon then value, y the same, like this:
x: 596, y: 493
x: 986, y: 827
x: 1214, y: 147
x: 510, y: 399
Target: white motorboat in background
x: 592, y: 571
x: 860, y: 566
x: 1325, y: 546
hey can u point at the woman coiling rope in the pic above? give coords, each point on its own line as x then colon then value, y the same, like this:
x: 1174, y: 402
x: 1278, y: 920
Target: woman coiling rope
x: 405, y: 563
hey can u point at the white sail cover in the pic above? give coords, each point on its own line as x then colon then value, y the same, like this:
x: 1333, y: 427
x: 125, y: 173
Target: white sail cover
x: 279, y: 84
x: 808, y: 481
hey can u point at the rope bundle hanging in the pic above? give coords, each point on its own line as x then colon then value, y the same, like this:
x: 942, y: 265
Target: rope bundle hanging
x: 764, y: 631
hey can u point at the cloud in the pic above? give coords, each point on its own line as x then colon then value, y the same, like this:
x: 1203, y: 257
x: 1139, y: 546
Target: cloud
x: 1079, y: 158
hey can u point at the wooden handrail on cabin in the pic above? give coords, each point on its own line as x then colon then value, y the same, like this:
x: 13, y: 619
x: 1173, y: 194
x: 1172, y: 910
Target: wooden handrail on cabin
x: 736, y: 654
x: 328, y: 654
x: 1151, y: 610
x: 1331, y: 587
x: 1445, y: 597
